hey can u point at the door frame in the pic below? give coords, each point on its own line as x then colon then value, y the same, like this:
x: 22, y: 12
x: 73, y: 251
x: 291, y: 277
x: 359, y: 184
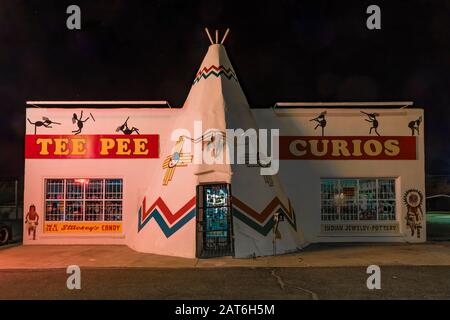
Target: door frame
x: 200, y: 233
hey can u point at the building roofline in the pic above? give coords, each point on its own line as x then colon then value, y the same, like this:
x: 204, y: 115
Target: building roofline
x: 165, y: 104
x: 385, y: 104
x: 145, y: 103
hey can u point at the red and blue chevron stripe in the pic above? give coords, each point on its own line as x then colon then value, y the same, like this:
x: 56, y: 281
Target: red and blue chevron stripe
x: 161, y: 213
x: 215, y: 71
x: 262, y: 222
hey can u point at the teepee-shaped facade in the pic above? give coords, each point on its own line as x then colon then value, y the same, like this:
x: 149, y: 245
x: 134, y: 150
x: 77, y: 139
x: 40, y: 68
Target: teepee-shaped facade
x: 217, y: 104
x: 218, y: 96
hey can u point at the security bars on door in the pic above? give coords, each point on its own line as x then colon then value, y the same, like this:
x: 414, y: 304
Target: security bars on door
x: 214, y: 224
x: 83, y: 199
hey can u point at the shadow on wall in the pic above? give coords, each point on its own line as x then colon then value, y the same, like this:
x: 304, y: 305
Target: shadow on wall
x: 290, y: 175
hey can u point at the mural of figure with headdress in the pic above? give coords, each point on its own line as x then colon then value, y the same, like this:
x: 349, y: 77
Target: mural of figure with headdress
x: 413, y: 199
x: 32, y: 220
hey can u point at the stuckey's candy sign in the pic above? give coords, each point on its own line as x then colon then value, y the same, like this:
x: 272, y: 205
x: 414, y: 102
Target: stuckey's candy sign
x: 82, y: 227
x: 348, y: 148
x: 91, y: 146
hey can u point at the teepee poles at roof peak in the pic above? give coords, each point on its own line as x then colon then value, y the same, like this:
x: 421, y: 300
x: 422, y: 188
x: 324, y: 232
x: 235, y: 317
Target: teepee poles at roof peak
x: 217, y: 36
x: 209, y: 36
x: 225, y: 35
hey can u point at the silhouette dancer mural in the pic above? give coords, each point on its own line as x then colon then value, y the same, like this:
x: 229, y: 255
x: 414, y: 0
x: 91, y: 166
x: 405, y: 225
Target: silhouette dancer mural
x: 415, y: 125
x: 125, y: 129
x: 372, y: 119
x: 80, y: 122
x: 46, y: 123
x: 321, y: 122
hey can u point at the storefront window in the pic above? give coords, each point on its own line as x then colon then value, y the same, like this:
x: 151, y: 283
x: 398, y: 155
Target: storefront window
x: 113, y: 189
x: 83, y: 199
x: 357, y: 199
x: 113, y: 210
x: 386, y: 199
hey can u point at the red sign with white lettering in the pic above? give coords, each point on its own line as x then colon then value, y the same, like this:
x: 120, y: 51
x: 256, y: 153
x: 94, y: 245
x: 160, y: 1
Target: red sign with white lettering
x: 91, y: 146
x: 348, y: 148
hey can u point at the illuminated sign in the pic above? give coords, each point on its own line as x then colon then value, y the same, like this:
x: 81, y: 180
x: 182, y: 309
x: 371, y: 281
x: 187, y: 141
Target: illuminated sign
x: 82, y: 227
x: 348, y: 148
x: 91, y: 146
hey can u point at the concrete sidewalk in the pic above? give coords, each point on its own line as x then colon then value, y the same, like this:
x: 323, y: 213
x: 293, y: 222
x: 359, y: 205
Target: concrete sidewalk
x: 317, y: 255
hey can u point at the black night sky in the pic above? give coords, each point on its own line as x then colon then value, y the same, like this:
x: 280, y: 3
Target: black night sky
x: 281, y: 50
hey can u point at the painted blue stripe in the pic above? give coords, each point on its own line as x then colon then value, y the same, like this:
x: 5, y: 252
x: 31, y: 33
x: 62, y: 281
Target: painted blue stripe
x: 166, y: 229
x: 262, y: 229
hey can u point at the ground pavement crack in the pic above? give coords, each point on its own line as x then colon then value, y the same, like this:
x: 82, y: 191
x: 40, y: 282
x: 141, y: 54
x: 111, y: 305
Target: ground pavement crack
x: 279, y: 280
x: 282, y: 285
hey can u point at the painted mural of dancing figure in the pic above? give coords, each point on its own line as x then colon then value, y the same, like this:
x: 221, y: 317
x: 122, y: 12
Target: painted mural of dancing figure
x: 372, y: 119
x: 125, y: 129
x: 415, y: 125
x: 46, y: 123
x: 321, y: 121
x: 80, y: 122
x: 31, y: 221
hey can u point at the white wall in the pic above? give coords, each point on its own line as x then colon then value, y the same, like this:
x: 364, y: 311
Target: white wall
x: 143, y: 177
x: 134, y: 172
x: 301, y: 178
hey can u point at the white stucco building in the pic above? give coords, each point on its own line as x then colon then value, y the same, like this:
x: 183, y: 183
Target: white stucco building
x: 120, y: 173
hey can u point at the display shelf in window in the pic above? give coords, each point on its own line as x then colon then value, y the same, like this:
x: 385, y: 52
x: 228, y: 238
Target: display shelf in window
x: 358, y: 199
x: 81, y: 199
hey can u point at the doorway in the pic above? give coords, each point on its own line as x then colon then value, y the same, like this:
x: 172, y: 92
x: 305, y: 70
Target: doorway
x: 214, y: 221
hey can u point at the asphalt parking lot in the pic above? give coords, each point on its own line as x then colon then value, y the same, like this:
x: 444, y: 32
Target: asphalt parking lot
x: 397, y: 282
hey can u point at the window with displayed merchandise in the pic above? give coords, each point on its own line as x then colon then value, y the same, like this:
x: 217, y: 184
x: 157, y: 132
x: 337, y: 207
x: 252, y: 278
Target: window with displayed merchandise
x: 83, y: 199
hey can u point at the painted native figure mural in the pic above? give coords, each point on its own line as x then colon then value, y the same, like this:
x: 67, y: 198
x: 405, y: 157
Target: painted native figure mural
x: 413, y: 199
x: 415, y: 126
x: 125, y: 129
x: 372, y: 119
x: 80, y: 122
x: 321, y: 122
x: 46, y: 123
